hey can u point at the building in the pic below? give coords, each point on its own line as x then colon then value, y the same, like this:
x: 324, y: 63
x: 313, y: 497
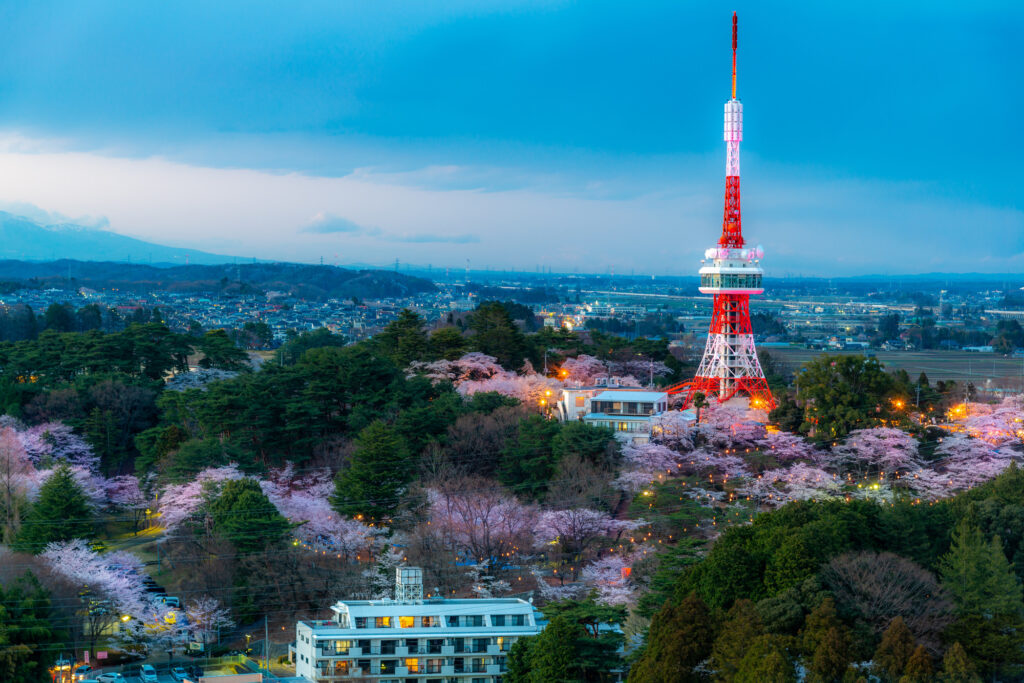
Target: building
x: 411, y: 639
x: 628, y: 413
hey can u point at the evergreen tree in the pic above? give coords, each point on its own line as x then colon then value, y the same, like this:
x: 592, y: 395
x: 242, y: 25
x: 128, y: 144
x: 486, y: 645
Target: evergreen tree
x: 404, y: 339
x: 766, y: 661
x: 831, y: 657
x: 681, y: 636
x: 894, y: 651
x: 27, y: 637
x: 956, y: 667
x: 596, y: 445
x: 497, y: 335
x: 741, y: 628
x: 447, y: 343
x: 377, y: 476
x: 978, y: 574
x: 60, y: 513
x: 596, y: 653
x: 220, y: 352
x: 919, y: 667
x: 527, y: 462
x: 520, y: 661
x: 244, y: 515
x: 552, y: 656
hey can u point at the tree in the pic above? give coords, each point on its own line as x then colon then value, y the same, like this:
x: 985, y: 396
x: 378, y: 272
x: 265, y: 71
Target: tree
x: 497, y: 335
x: 827, y: 640
x: 876, y: 587
x: 766, y: 661
x: 376, y: 478
x: 15, y: 473
x: 919, y: 667
x: 28, y: 637
x: 58, y: 317
x: 220, y: 352
x: 596, y: 445
x: 404, y: 340
x: 553, y: 658
x: 243, y: 514
x: 699, y: 401
x: 447, y: 343
x: 842, y: 393
x: 61, y: 512
x: 978, y: 574
x: 741, y: 628
x: 894, y: 651
x: 681, y: 636
x: 520, y: 660
x: 595, y: 652
x: 956, y: 667
x: 527, y: 461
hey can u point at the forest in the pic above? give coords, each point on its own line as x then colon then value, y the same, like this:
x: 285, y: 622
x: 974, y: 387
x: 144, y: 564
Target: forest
x: 848, y: 534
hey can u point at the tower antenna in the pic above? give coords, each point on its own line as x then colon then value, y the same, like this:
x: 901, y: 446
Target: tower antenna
x: 735, y: 32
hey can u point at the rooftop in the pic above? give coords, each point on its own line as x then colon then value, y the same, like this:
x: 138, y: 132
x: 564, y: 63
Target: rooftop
x: 640, y: 396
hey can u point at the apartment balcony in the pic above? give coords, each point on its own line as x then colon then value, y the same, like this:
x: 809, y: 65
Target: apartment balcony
x: 447, y: 649
x: 493, y: 649
x: 401, y: 651
x: 448, y: 670
x: 493, y: 669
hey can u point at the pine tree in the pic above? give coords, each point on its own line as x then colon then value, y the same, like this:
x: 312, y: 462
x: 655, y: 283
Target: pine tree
x: 741, y: 628
x: 831, y: 657
x: 60, y: 513
x: 919, y: 667
x: 552, y: 655
x: 244, y: 515
x: 766, y: 661
x: 894, y: 651
x: 519, y: 661
x: 817, y: 624
x: 376, y: 478
x: 978, y: 574
x: 957, y: 668
x: 404, y: 339
x: 680, y: 637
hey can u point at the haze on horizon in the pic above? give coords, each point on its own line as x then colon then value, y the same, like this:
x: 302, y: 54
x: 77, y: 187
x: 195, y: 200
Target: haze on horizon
x: 879, y: 137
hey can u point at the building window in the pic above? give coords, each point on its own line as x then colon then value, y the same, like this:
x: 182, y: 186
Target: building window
x: 497, y: 620
x: 475, y: 620
x: 623, y: 426
x: 388, y: 666
x: 453, y: 621
x: 480, y: 644
x: 341, y: 646
x: 360, y: 622
x: 387, y: 647
x: 580, y: 401
x: 434, y: 666
x: 413, y: 644
x: 406, y: 622
x: 382, y: 622
x: 413, y: 665
x: 518, y: 619
x: 429, y: 622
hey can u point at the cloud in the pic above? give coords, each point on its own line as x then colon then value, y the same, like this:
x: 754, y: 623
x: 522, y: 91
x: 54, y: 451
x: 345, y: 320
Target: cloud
x: 325, y: 223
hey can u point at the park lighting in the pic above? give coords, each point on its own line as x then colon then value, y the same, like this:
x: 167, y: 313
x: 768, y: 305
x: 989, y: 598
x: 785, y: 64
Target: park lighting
x: 126, y: 618
x: 898, y: 403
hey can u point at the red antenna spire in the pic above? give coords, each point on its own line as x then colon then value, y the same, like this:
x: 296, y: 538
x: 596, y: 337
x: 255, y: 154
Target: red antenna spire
x: 734, y: 41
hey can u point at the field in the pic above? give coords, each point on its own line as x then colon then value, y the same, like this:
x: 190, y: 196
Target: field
x: 988, y: 371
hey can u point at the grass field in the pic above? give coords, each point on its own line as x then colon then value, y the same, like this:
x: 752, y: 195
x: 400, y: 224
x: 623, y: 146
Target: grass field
x: 987, y: 371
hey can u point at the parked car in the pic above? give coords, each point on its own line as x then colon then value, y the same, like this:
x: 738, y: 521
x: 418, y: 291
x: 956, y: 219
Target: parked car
x: 179, y: 674
x: 82, y: 672
x: 148, y: 674
x: 112, y: 677
x: 171, y: 601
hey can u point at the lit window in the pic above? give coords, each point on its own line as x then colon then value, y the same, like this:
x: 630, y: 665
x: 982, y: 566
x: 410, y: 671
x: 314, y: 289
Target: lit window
x: 406, y: 622
x: 413, y: 665
x: 383, y: 622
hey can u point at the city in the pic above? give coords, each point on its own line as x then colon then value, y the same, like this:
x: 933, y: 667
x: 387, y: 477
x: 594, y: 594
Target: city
x: 647, y: 457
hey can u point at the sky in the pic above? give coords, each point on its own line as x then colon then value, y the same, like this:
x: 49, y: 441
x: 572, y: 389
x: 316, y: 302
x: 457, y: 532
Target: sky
x: 879, y: 137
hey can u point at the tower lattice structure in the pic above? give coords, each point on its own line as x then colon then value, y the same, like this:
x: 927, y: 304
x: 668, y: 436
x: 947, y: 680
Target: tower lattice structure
x: 732, y: 272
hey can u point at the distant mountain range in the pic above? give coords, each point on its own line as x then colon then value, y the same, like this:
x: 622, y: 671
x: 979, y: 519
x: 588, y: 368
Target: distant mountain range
x: 27, y: 240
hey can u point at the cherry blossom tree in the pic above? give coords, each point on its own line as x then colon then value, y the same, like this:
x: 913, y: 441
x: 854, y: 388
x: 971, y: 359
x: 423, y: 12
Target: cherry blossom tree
x: 178, y: 502
x: 305, y: 501
x: 797, y: 482
x: 730, y: 428
x: 52, y: 441
x: 787, y: 447
x: 610, y: 576
x: 675, y: 429
x: 480, y: 520
x: 126, y: 493
x: 472, y: 366
x: 878, y: 450
x: 584, y: 369
x: 205, y: 617
x: 576, y: 530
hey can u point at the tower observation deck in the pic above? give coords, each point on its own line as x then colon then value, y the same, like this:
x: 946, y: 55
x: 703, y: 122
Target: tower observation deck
x: 731, y: 272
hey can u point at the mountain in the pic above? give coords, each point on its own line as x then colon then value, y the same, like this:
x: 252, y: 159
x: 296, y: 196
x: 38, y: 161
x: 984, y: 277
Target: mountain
x: 27, y: 240
x: 292, y: 279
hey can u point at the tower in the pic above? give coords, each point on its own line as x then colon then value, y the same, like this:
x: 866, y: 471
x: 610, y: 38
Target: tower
x: 731, y: 272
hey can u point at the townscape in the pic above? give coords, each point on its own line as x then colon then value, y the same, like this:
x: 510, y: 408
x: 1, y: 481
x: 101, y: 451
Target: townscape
x: 244, y: 471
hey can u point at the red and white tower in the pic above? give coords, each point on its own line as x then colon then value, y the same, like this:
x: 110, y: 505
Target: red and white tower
x: 732, y: 272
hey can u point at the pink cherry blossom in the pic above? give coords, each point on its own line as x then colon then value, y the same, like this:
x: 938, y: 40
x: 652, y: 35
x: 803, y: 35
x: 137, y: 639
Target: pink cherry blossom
x: 177, y: 502
x: 877, y: 450
x: 486, y: 523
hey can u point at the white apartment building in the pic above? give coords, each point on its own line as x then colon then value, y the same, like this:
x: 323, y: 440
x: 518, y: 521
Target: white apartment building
x: 412, y: 640
x: 628, y: 413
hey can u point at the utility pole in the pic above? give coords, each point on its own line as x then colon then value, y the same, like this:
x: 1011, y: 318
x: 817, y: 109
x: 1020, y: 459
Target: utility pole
x: 266, y: 643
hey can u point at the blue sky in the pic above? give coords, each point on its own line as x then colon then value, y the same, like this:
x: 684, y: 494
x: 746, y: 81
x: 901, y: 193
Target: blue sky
x: 879, y: 136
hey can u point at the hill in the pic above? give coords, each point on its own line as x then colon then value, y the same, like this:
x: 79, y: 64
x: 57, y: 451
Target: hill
x: 295, y: 279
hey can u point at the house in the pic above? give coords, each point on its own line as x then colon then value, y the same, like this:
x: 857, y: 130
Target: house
x: 433, y: 640
x: 629, y: 413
